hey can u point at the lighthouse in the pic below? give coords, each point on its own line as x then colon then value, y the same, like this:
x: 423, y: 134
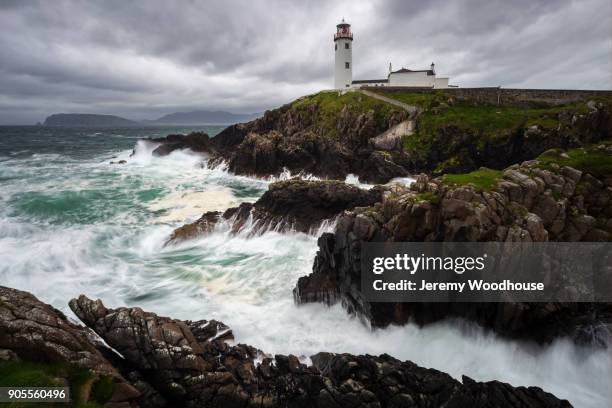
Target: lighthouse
x: 343, y: 52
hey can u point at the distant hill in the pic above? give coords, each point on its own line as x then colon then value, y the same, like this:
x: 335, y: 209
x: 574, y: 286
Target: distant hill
x: 87, y: 120
x: 204, y: 117
x: 200, y: 117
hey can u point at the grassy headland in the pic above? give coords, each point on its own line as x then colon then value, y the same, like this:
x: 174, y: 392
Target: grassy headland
x: 326, y: 110
x: 452, y: 135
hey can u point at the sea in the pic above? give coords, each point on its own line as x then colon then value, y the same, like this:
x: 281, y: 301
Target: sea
x: 73, y: 221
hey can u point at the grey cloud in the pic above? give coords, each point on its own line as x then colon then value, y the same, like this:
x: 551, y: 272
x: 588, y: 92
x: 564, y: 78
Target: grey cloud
x: 141, y: 59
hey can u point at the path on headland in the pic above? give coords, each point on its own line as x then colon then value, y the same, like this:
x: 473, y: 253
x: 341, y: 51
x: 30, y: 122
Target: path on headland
x: 410, y: 108
x: 392, y: 138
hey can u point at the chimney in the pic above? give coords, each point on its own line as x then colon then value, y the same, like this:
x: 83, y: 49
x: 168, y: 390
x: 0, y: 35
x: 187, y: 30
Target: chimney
x: 432, y: 67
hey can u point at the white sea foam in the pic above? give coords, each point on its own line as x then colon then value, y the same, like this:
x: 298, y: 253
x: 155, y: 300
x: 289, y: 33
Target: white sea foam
x: 286, y: 174
x: 407, y: 181
x: 185, y: 206
x: 354, y: 180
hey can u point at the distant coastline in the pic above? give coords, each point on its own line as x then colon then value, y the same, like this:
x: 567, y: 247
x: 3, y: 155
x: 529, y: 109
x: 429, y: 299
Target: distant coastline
x: 193, y: 118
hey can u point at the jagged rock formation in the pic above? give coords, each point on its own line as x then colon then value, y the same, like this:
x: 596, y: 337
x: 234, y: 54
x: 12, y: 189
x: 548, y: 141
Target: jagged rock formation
x: 535, y: 201
x: 35, y: 331
x: 298, y: 205
x: 191, y: 367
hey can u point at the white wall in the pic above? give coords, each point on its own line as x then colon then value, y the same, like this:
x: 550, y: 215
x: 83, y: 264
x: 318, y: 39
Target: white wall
x: 441, y: 83
x: 343, y: 76
x: 411, y: 79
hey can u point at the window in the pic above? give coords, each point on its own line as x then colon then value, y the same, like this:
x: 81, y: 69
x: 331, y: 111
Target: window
x: 346, y: 45
x: 346, y: 65
x: 336, y: 46
x: 347, y: 85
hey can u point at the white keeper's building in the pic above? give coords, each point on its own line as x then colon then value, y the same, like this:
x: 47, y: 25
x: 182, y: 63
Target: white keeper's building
x: 343, y: 68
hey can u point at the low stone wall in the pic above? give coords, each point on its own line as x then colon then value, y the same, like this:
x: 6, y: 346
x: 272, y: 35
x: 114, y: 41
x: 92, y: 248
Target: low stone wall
x: 507, y: 96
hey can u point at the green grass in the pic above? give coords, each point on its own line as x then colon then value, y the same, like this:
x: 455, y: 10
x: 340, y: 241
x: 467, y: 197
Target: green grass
x: 482, y: 179
x: 592, y: 160
x: 102, y: 390
x: 425, y: 100
x: 328, y: 105
x: 30, y: 374
x: 491, y: 119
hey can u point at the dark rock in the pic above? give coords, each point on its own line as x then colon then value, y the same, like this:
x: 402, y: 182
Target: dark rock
x: 305, y: 204
x: 196, y: 141
x: 162, y: 349
x: 203, y: 225
x: 205, y: 331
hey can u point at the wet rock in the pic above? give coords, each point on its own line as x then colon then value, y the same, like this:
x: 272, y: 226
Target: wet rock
x: 164, y: 350
x: 203, y: 225
x: 196, y: 141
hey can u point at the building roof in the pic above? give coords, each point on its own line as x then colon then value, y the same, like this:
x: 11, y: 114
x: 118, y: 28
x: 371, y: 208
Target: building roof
x: 370, y: 81
x: 405, y: 70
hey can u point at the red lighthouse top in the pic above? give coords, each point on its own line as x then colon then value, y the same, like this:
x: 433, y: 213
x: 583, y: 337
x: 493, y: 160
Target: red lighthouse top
x: 343, y: 30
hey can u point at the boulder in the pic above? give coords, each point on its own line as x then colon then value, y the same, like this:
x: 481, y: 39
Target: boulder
x: 196, y: 141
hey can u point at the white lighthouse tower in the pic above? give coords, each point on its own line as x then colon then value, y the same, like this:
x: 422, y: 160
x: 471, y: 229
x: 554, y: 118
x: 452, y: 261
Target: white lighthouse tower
x: 343, y: 44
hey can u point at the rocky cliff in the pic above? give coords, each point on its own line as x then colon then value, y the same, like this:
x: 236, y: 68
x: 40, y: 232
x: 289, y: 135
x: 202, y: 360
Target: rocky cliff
x: 334, y: 134
x: 326, y: 134
x: 562, y: 196
x: 164, y: 362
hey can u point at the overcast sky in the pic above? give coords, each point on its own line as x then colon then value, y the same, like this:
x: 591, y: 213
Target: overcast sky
x: 142, y: 59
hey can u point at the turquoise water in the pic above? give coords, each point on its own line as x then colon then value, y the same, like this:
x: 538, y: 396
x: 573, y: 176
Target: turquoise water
x: 71, y: 222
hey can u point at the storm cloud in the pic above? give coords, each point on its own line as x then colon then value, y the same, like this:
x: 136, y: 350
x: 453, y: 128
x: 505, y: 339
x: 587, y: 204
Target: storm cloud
x: 142, y: 59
